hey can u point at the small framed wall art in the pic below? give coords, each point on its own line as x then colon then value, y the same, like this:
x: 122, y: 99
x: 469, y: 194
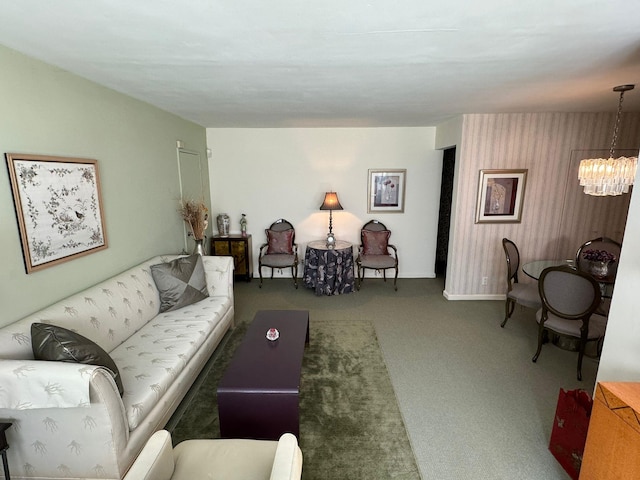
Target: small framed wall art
x: 58, y: 206
x: 386, y: 191
x: 500, y: 196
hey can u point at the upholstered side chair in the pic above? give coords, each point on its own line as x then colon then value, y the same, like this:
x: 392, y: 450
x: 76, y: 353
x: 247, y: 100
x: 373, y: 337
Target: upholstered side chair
x: 280, y: 250
x: 517, y: 293
x: 569, y: 300
x: 375, y: 252
x: 226, y: 459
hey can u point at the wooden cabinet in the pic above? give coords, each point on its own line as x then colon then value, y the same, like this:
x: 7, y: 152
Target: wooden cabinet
x: 613, y: 441
x: 239, y: 248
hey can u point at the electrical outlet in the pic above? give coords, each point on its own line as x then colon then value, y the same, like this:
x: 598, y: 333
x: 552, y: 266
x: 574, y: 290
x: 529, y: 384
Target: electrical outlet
x: 485, y: 280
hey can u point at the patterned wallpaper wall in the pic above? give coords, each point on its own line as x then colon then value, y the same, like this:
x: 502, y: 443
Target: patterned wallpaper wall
x: 556, y: 217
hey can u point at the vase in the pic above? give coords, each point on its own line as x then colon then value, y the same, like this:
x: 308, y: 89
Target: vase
x: 599, y: 269
x: 199, y: 247
x: 223, y: 221
x: 243, y: 225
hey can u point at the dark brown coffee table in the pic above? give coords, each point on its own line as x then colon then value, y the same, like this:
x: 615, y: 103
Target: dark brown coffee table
x: 258, y: 393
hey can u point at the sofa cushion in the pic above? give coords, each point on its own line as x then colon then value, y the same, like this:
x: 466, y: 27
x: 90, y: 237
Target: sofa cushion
x: 375, y: 243
x: 50, y: 342
x: 180, y: 282
x: 153, y: 357
x: 280, y: 242
x: 229, y: 458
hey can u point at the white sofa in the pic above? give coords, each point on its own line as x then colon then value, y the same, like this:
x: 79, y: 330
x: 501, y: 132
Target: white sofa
x: 69, y: 420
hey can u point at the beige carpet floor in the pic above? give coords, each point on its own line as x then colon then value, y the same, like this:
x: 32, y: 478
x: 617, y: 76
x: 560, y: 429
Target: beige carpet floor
x: 473, y: 403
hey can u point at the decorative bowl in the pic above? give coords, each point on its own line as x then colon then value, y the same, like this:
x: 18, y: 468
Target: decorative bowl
x: 273, y: 334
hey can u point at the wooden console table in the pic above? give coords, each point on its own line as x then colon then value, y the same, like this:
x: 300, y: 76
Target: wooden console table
x: 612, y: 451
x: 240, y: 249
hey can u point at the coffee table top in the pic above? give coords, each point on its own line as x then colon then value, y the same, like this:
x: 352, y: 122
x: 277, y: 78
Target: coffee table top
x: 264, y: 366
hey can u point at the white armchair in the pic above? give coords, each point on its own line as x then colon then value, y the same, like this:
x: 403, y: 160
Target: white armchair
x: 227, y: 459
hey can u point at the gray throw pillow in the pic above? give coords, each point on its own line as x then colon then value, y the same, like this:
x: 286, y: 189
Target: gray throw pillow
x: 50, y: 342
x: 180, y: 282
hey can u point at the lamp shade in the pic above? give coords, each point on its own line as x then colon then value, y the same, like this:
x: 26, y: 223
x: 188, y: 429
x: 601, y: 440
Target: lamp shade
x: 331, y: 202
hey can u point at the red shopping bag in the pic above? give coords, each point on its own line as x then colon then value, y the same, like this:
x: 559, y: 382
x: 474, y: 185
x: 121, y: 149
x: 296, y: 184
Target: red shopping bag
x: 569, y: 433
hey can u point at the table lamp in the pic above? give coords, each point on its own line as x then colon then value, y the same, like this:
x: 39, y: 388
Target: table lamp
x: 331, y: 203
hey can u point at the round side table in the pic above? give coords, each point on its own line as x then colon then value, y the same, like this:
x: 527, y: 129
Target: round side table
x: 329, y: 270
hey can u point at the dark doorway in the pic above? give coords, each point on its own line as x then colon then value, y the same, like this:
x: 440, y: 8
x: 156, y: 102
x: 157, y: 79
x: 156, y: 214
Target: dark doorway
x: 444, y: 217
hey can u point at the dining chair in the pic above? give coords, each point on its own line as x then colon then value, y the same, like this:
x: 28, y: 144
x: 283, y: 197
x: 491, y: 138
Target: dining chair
x: 569, y: 300
x: 517, y: 293
x: 375, y: 252
x: 280, y: 250
x: 602, y: 244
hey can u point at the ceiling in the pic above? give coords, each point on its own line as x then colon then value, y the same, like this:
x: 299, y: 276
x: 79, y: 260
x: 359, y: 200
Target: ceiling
x: 286, y: 63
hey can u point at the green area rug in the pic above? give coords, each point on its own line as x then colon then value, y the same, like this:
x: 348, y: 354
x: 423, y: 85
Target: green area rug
x: 350, y: 424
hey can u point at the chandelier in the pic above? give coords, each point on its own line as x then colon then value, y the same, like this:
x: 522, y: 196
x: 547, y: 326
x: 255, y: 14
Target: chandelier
x: 613, y: 176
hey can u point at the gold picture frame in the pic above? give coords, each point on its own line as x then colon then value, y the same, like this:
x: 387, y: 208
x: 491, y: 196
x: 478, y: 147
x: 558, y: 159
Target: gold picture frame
x: 501, y: 196
x: 58, y: 207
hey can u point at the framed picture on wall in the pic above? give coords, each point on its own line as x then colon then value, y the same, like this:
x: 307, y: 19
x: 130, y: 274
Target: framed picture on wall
x: 58, y: 208
x: 500, y: 196
x: 386, y: 191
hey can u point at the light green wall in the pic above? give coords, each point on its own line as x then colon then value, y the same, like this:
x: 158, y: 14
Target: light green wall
x: 48, y: 111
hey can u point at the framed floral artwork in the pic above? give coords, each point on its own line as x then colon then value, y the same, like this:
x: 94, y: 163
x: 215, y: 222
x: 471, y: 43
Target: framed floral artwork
x: 386, y: 191
x: 58, y: 208
x: 500, y: 196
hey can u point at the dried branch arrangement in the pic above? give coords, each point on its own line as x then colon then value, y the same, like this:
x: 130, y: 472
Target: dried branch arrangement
x: 196, y: 216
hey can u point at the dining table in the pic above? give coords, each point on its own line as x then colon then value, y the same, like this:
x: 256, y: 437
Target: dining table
x: 534, y: 269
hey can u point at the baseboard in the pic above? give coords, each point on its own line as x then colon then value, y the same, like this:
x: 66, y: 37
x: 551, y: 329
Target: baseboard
x: 367, y: 275
x: 493, y: 296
